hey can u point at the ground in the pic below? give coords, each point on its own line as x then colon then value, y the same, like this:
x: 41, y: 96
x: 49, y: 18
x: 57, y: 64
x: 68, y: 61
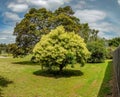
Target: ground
x: 21, y: 78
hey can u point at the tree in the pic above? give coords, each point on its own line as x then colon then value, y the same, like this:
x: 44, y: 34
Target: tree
x: 87, y: 33
x: 13, y: 49
x: 60, y: 48
x: 109, y: 53
x: 38, y: 22
x: 115, y: 42
x: 98, y: 51
x: 3, y: 48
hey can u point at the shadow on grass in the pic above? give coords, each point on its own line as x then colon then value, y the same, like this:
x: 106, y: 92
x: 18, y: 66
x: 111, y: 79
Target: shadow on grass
x: 4, y: 83
x: 26, y: 63
x: 105, y: 89
x: 57, y: 74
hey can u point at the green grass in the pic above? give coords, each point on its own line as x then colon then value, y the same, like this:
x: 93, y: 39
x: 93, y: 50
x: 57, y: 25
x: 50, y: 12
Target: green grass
x: 106, y: 86
x: 21, y: 78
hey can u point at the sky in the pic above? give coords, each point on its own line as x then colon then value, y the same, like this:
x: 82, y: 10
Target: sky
x: 102, y: 15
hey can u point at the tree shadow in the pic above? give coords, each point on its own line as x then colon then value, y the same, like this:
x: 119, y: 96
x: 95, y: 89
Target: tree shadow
x: 26, y: 63
x: 4, y: 83
x: 56, y: 74
x: 106, y: 87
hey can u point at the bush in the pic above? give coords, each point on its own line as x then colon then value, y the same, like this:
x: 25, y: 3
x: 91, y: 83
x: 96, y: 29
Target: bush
x: 110, y: 51
x: 60, y: 48
x: 98, y: 52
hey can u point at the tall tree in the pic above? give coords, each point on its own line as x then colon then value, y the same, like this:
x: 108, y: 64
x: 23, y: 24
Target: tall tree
x: 38, y: 22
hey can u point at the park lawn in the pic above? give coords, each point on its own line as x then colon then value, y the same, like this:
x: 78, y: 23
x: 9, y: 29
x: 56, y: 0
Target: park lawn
x: 21, y: 78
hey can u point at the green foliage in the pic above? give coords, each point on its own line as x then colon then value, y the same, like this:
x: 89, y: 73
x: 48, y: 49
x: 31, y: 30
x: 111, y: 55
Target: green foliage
x: 60, y: 48
x: 38, y: 22
x: 87, y: 33
x: 3, y: 48
x: 98, y: 52
x: 109, y: 53
x: 114, y: 42
x: 14, y: 49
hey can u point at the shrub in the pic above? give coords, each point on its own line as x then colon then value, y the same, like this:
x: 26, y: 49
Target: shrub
x: 98, y: 52
x: 60, y: 48
x: 110, y: 51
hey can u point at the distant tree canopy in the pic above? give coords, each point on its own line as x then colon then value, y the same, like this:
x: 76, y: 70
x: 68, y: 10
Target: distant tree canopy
x: 114, y: 42
x: 3, y: 48
x: 60, y: 48
x: 38, y: 22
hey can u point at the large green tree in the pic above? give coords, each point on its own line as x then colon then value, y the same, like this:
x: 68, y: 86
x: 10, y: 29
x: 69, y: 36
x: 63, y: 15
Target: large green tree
x: 60, y: 48
x: 38, y: 22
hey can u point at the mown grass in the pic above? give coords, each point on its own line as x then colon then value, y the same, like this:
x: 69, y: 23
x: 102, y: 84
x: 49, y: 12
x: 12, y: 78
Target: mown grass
x: 21, y: 78
x: 107, y: 83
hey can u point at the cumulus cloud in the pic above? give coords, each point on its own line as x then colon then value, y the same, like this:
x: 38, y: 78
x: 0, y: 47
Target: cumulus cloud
x: 18, y: 7
x: 103, y: 26
x: 23, y: 5
x: 3, y: 38
x: 80, y: 5
x: 21, y: 1
x: 90, y: 16
x: 12, y: 16
x: 106, y: 29
x: 49, y: 4
x: 119, y: 2
x: 7, y: 34
x: 7, y: 39
x: 96, y: 20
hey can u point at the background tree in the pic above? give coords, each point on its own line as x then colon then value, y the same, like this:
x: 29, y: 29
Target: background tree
x: 98, y: 51
x: 87, y: 33
x: 38, y: 22
x: 3, y: 48
x: 60, y: 48
x: 13, y: 49
x: 115, y: 42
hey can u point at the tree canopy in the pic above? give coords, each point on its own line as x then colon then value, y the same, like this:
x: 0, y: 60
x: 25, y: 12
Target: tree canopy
x: 98, y: 51
x: 115, y: 42
x: 60, y: 48
x: 38, y: 22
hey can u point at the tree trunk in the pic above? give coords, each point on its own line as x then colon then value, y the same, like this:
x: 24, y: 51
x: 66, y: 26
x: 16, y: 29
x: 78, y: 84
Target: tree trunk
x: 61, y: 68
x: 42, y: 67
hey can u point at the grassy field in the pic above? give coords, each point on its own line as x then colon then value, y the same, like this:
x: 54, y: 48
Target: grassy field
x: 21, y: 78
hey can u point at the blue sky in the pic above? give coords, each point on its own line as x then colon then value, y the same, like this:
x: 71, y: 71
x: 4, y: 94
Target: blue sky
x: 103, y: 15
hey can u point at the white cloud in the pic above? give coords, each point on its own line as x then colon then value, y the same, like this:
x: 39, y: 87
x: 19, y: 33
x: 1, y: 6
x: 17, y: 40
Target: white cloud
x: 49, y: 4
x: 119, y: 2
x: 21, y: 1
x: 18, y: 7
x: 23, y: 5
x: 103, y: 26
x: 96, y: 20
x: 106, y: 30
x: 12, y: 16
x: 6, y: 35
x: 80, y: 5
x: 3, y: 38
x: 90, y: 16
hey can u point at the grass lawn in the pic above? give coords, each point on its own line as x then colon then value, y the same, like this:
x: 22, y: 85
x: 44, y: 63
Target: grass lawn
x: 20, y: 78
